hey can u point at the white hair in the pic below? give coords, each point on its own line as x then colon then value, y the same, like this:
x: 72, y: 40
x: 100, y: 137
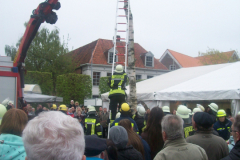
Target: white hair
x: 172, y: 125
x: 54, y: 136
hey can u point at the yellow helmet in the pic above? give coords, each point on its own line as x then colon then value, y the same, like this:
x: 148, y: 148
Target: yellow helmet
x: 63, y: 107
x: 54, y: 106
x: 221, y: 113
x: 125, y: 108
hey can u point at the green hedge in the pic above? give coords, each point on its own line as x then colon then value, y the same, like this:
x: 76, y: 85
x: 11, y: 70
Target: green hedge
x: 103, y: 87
x: 74, y: 86
x: 43, y: 79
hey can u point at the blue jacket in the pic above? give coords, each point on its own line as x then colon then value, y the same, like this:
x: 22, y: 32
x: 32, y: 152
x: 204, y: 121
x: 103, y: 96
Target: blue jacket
x: 147, y: 150
x: 11, y: 147
x: 223, y: 128
x: 116, y: 121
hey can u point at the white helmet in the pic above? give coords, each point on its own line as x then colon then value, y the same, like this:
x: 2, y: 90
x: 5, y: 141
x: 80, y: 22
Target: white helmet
x: 201, y: 107
x: 118, y: 115
x: 141, y: 111
x: 6, y: 102
x: 213, y: 107
x: 91, y: 108
x: 166, y: 109
x: 196, y: 110
x: 119, y: 68
x: 190, y: 112
x: 182, y: 111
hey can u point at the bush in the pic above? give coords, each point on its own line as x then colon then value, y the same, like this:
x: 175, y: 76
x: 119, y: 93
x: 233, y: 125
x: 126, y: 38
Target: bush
x: 74, y: 86
x: 103, y: 86
x: 43, y: 79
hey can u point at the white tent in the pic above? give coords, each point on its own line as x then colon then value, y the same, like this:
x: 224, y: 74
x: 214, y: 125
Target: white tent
x: 33, y: 94
x: 212, y: 82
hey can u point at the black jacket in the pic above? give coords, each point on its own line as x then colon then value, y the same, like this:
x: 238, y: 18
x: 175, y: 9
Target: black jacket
x: 140, y: 122
x: 129, y: 153
x: 235, y: 153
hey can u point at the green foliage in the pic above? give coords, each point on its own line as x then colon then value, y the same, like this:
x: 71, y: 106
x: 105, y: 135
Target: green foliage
x: 10, y: 51
x: 213, y: 56
x: 103, y: 86
x: 43, y: 79
x: 74, y: 86
x: 46, y: 54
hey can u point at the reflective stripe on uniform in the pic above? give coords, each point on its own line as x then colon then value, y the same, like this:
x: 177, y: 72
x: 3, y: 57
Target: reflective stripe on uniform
x: 92, y: 122
x: 116, y: 124
x: 187, y: 130
x: 119, y: 90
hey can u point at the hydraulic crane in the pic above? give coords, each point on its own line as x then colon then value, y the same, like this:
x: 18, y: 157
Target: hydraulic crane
x: 42, y: 13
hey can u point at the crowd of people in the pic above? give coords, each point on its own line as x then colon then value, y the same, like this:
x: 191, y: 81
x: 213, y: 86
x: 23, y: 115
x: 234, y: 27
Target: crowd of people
x: 77, y: 132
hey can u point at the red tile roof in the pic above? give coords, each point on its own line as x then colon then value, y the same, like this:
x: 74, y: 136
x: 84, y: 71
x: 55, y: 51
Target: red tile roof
x: 184, y: 60
x: 83, y: 54
x: 224, y: 57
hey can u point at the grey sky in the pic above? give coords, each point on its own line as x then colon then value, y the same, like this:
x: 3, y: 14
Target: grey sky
x: 186, y: 26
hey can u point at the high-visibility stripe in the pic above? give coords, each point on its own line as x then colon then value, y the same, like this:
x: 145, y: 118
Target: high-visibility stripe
x: 92, y: 122
x: 116, y: 124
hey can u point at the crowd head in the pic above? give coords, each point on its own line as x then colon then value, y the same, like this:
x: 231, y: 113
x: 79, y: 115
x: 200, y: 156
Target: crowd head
x: 54, y: 135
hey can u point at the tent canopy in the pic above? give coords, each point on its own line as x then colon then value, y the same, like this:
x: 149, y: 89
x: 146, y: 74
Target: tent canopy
x: 212, y: 82
x: 32, y: 88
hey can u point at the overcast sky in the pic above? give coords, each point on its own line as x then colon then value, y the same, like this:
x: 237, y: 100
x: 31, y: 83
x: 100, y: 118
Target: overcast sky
x: 185, y: 26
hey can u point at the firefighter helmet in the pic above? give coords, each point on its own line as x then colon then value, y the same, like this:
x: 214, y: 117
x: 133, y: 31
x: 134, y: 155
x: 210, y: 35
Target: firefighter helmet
x: 182, y: 111
x: 119, y: 68
x: 63, y: 107
x: 221, y: 113
x: 125, y: 108
x: 213, y: 107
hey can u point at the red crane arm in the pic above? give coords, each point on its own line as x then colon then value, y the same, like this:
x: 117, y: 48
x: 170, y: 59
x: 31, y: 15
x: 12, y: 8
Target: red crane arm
x: 42, y: 13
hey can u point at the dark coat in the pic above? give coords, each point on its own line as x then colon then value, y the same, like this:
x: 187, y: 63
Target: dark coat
x: 214, y: 146
x: 235, y: 153
x: 140, y: 122
x: 147, y: 150
x: 129, y: 153
x: 125, y: 117
x: 98, y: 129
x: 223, y: 128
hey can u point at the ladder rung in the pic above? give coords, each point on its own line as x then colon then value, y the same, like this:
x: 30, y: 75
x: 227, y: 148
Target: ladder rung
x: 122, y: 8
x: 121, y: 23
x: 120, y: 46
x: 121, y: 31
x: 122, y: 16
x: 122, y: 1
x: 120, y: 62
x: 120, y: 54
x: 121, y: 38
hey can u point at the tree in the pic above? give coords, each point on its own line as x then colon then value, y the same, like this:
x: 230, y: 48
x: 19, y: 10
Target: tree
x: 10, y: 51
x: 213, y: 56
x: 131, y: 59
x: 47, y: 54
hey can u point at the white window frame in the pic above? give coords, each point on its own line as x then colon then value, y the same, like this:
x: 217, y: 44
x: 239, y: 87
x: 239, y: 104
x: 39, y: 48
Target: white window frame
x: 170, y: 67
x: 138, y: 75
x: 97, y: 83
x: 109, y: 55
x: 149, y: 54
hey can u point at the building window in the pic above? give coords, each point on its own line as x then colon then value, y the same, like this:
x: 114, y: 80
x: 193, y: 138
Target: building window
x: 96, y: 78
x: 149, y: 61
x: 148, y: 77
x: 110, y: 57
x: 138, y: 77
x: 172, y: 67
x: 109, y: 74
x: 95, y: 96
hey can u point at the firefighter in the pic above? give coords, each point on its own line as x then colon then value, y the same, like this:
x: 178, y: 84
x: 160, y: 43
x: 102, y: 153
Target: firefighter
x: 125, y: 114
x: 92, y: 122
x: 183, y: 112
x: 54, y: 107
x: 139, y: 118
x: 223, y: 125
x: 63, y: 108
x: 212, y: 110
x: 117, y: 83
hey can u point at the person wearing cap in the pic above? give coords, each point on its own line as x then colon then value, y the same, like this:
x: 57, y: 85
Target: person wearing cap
x: 63, y: 108
x: 125, y: 114
x: 119, y: 136
x: 183, y: 112
x: 212, y: 110
x: 95, y: 147
x: 175, y: 146
x: 214, y: 146
x: 235, y: 130
x: 166, y: 110
x: 117, y: 83
x: 223, y: 125
x: 92, y: 122
x: 139, y: 118
x: 104, y: 119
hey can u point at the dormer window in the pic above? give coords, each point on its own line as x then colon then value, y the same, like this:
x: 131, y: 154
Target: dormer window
x: 149, y: 59
x: 110, y: 56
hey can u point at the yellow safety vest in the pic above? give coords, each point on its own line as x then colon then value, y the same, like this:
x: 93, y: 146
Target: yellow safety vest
x: 119, y: 90
x: 92, y: 122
